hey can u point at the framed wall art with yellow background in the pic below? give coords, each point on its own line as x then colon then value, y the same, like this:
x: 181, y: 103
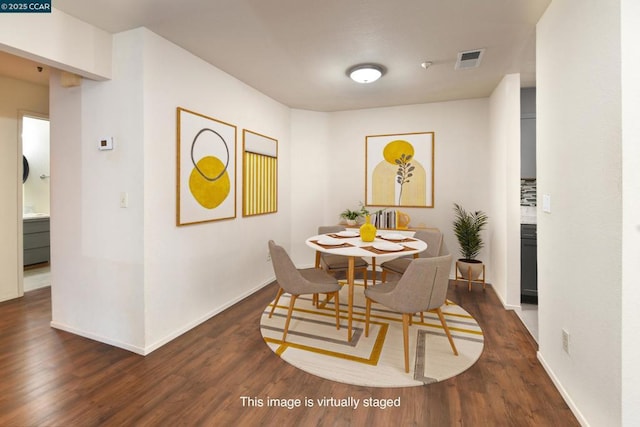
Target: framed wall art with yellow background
x: 260, y: 174
x: 399, y: 170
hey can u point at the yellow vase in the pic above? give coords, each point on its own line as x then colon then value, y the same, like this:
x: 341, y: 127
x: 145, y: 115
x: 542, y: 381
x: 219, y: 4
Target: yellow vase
x: 368, y: 230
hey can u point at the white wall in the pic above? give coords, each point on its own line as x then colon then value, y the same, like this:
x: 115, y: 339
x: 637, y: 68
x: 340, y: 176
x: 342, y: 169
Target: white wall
x: 504, y: 181
x: 630, y: 13
x: 311, y: 158
x: 97, y: 258
x: 130, y: 277
x: 580, y: 241
x: 461, y: 160
x: 16, y: 96
x: 193, y: 272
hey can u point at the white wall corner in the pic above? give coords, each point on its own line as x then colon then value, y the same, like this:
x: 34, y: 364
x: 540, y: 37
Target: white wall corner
x: 630, y: 14
x: 505, y: 189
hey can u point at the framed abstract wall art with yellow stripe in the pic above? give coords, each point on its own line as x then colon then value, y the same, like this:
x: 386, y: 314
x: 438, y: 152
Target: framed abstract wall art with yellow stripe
x: 206, y: 169
x: 260, y: 174
x: 399, y: 170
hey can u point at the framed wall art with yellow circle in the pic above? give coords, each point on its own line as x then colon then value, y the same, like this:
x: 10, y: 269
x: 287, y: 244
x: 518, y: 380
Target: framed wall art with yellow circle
x: 206, y: 169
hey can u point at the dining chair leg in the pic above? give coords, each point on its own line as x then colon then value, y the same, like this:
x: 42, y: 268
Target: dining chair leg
x: 405, y: 337
x: 337, y: 304
x: 286, y: 325
x: 373, y: 270
x: 326, y: 301
x: 364, y: 275
x: 278, y: 295
x: 366, y: 317
x: 446, y: 330
x: 383, y: 276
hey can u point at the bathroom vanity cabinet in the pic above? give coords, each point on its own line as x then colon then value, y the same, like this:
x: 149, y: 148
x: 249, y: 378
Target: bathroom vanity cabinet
x: 36, y: 240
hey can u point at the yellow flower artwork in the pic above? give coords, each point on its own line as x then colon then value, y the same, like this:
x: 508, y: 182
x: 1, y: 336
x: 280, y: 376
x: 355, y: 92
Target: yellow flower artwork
x: 399, y: 170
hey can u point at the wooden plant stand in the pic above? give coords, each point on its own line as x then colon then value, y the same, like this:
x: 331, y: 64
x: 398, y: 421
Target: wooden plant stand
x: 469, y: 280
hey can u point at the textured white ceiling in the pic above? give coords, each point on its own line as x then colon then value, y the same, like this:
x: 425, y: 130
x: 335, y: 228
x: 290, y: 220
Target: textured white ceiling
x: 298, y: 51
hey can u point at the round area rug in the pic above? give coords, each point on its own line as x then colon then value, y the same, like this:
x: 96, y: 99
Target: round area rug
x: 315, y: 345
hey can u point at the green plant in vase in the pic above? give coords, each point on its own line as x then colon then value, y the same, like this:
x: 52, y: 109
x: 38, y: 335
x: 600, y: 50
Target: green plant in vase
x: 350, y: 216
x: 467, y: 227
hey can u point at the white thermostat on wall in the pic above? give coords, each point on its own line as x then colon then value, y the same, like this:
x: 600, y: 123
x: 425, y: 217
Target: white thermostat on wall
x: 106, y: 143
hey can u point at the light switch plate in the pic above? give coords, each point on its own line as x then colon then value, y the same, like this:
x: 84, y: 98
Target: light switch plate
x: 546, y: 203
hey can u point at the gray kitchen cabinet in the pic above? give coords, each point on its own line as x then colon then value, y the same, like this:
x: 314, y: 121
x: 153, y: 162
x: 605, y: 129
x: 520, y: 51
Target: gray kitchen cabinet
x: 529, y: 263
x: 528, y: 133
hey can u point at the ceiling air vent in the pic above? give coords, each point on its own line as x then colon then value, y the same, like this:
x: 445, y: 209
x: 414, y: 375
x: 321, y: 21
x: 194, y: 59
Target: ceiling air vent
x: 469, y: 59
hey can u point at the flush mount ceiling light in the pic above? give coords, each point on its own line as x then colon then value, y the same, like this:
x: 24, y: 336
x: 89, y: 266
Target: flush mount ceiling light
x: 365, y: 73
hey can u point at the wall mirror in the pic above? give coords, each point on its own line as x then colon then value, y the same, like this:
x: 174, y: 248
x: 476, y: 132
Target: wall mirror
x: 25, y: 169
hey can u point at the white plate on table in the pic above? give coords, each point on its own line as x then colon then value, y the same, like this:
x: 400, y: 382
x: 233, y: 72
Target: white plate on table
x: 347, y: 233
x: 388, y: 246
x: 392, y: 236
x: 329, y: 241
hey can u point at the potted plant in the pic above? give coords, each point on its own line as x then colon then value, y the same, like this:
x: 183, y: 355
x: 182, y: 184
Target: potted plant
x: 353, y: 216
x: 350, y: 216
x: 467, y: 227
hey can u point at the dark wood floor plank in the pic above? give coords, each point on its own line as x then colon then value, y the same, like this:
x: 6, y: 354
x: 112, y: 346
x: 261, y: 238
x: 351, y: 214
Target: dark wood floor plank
x: 50, y: 377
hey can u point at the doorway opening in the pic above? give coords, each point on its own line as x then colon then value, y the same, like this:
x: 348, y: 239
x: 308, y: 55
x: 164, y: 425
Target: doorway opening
x: 528, y: 311
x: 36, y: 213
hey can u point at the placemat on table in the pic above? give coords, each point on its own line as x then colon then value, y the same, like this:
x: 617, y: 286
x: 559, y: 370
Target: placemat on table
x: 341, y: 245
x: 337, y: 236
x: 406, y: 239
x: 379, y: 252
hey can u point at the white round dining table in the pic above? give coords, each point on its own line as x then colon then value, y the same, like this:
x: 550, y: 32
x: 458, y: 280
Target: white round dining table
x: 354, y: 247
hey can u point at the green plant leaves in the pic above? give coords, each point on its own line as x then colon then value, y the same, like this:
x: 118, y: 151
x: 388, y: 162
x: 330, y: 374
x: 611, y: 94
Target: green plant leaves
x: 467, y: 227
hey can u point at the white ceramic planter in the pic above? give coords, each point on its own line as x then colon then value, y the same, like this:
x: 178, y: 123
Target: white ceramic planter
x: 470, y: 270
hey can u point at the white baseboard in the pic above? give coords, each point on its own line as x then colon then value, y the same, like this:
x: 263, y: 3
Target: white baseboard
x: 148, y: 349
x: 563, y: 392
x: 96, y: 337
x: 143, y: 351
x: 36, y: 286
x: 504, y: 303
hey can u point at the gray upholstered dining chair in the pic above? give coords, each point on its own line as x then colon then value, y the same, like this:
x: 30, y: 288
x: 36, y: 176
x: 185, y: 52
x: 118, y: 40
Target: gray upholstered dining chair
x: 422, y: 287
x: 336, y: 263
x: 433, y: 239
x: 299, y: 282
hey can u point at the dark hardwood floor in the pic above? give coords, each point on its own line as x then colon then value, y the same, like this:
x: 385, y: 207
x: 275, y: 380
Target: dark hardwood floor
x: 53, y: 378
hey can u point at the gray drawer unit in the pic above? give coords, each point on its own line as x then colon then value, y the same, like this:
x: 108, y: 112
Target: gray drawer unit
x: 36, y: 241
x: 529, y: 263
